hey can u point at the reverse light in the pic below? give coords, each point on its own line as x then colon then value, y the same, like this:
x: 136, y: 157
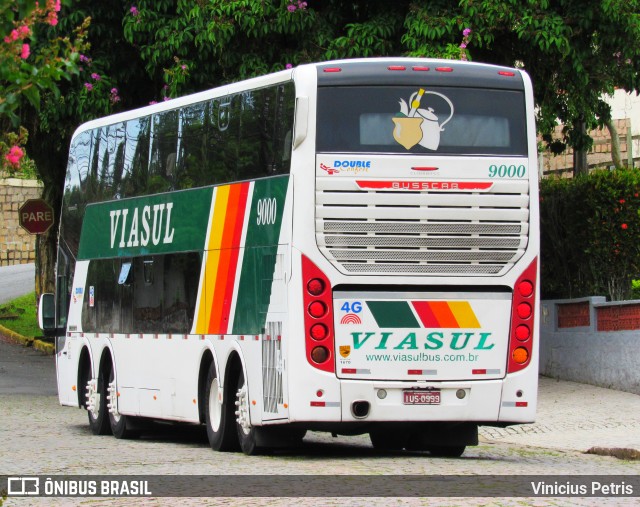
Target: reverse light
x: 320, y: 354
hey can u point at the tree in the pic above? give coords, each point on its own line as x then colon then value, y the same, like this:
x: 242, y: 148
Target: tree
x: 575, y: 51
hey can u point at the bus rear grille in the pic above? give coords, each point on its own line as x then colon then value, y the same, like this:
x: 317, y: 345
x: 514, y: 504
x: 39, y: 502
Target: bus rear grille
x: 422, y: 233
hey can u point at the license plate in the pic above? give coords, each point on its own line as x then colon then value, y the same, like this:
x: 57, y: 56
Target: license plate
x: 414, y: 397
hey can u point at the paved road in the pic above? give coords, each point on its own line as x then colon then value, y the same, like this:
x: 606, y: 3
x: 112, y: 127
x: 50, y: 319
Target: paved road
x: 26, y: 371
x: 16, y: 281
x: 38, y: 437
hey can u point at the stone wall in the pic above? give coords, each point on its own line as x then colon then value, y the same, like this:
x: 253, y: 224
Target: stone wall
x: 17, y: 246
x: 600, y: 153
x: 591, y: 341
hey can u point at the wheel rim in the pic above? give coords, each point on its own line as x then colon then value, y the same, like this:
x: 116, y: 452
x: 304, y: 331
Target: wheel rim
x: 215, y: 405
x: 242, y: 414
x: 111, y: 402
x: 93, y: 399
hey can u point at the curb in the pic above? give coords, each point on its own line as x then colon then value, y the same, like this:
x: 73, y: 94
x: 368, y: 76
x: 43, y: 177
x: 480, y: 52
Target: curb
x: 47, y: 348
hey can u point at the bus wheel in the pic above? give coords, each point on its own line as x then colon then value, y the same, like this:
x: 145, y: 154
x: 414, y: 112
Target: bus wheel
x: 120, y: 424
x: 246, y: 432
x: 446, y: 451
x: 385, y: 440
x: 218, y: 415
x: 96, y: 403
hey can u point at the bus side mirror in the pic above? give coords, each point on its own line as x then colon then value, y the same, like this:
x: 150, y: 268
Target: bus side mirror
x: 47, y: 312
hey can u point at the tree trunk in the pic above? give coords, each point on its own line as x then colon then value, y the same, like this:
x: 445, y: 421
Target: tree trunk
x: 616, y: 157
x: 580, y: 165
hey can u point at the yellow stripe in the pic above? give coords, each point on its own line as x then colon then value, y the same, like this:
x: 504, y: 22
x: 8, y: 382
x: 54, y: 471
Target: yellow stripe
x: 464, y: 314
x: 212, y: 258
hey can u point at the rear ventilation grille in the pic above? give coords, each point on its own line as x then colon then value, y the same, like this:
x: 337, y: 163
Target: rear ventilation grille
x: 422, y: 233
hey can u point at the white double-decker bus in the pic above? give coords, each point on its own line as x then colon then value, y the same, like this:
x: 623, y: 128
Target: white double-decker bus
x: 347, y: 246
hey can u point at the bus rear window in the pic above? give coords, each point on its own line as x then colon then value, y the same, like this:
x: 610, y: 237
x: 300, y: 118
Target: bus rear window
x: 403, y: 119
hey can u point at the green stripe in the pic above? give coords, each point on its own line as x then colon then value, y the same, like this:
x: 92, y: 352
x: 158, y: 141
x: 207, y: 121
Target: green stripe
x: 392, y: 314
x: 156, y: 224
x: 261, y: 247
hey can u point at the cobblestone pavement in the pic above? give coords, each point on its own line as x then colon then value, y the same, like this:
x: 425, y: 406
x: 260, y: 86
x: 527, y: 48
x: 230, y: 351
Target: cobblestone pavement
x: 38, y: 437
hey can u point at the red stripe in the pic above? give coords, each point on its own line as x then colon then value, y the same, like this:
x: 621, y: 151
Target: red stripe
x: 215, y: 320
x: 234, y: 255
x: 427, y: 317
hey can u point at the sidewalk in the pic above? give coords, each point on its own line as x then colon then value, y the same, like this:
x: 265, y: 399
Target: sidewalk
x: 577, y: 417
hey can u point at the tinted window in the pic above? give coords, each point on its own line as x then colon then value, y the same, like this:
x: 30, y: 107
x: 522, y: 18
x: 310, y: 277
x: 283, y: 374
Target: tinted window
x: 402, y: 119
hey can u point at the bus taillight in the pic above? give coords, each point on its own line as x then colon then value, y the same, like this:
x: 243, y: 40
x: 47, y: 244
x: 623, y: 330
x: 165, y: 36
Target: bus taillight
x: 522, y: 319
x: 318, y: 317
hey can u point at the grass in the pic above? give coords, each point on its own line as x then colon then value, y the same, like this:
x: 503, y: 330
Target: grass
x: 20, y: 316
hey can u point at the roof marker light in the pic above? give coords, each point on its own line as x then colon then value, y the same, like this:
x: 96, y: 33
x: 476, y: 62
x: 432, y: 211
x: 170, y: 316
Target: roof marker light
x: 420, y: 69
x: 397, y: 67
x: 444, y: 69
x: 506, y: 73
x: 332, y: 69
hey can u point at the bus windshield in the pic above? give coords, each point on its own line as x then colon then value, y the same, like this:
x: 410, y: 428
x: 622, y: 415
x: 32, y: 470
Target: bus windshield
x: 410, y: 119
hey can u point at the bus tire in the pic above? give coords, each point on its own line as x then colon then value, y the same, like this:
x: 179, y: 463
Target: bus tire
x: 120, y: 424
x: 247, y: 434
x: 96, y: 404
x: 446, y: 451
x: 218, y: 415
x: 385, y: 440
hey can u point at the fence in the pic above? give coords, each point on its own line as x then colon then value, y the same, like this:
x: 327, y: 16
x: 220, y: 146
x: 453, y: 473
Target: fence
x: 17, y: 246
x: 591, y: 341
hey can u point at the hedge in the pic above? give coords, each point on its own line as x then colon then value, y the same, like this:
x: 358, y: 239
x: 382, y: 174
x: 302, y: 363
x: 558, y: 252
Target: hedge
x: 590, y: 235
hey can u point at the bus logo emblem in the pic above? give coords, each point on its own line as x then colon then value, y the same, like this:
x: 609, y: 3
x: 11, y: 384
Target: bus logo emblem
x: 345, y: 350
x: 415, y: 125
x: 329, y: 170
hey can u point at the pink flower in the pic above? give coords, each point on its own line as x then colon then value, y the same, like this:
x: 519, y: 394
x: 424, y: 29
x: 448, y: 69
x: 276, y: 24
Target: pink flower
x: 88, y: 86
x: 95, y: 76
x: 24, y: 54
x: 463, y: 45
x: 288, y: 66
x: 466, y: 32
x: 133, y: 10
x: 84, y: 59
x: 291, y: 8
x: 57, y: 6
x: 14, y: 156
x: 24, y: 31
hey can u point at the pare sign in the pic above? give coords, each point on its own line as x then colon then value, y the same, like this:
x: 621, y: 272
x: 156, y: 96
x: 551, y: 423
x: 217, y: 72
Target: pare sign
x: 36, y: 216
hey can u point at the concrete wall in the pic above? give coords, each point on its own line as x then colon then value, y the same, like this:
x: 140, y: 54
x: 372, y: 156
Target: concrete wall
x: 575, y: 346
x: 17, y: 246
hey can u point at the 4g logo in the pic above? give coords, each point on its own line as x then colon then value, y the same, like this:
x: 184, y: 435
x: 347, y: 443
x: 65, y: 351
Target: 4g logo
x: 355, y: 307
x: 351, y: 310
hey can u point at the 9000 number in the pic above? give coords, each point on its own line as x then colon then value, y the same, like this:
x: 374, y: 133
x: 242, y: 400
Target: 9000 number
x: 267, y: 210
x: 507, y: 171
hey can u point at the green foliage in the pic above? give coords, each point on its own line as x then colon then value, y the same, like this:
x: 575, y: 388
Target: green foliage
x: 590, y: 235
